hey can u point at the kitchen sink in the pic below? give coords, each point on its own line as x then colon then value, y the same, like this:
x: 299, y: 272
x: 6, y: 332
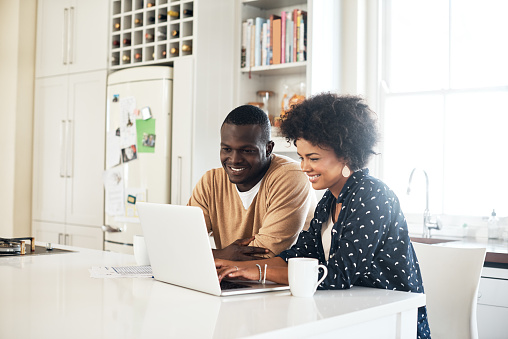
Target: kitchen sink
x: 430, y: 240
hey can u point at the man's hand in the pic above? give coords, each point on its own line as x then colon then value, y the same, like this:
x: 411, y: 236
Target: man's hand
x: 239, y: 251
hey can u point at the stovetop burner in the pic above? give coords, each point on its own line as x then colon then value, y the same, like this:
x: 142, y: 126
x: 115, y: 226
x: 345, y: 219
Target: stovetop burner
x: 14, y: 246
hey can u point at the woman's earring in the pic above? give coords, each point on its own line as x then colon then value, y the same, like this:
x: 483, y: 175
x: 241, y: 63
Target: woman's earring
x: 346, y: 172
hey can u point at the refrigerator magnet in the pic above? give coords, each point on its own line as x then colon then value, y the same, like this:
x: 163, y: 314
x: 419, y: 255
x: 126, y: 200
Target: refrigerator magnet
x: 129, y: 153
x: 131, y: 199
x: 146, y: 113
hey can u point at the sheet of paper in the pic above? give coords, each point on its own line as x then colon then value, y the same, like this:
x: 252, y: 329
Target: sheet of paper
x: 127, y: 122
x: 114, y: 186
x: 121, y: 272
x: 113, y: 149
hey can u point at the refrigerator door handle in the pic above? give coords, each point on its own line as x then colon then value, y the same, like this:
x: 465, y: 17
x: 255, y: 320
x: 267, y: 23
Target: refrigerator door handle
x: 65, y: 36
x: 109, y: 229
x: 63, y: 137
x: 69, y: 149
x: 70, y: 41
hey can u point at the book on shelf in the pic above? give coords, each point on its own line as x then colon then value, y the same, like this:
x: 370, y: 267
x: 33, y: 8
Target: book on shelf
x: 276, y: 40
x: 252, y: 44
x: 243, y: 57
x: 264, y: 38
x: 283, y: 37
x: 248, y: 28
x: 289, y: 39
x: 295, y: 34
x: 302, y: 36
x: 259, y: 40
x: 273, y: 36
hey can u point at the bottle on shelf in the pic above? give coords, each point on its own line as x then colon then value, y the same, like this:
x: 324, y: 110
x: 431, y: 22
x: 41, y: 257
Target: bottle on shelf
x: 116, y: 43
x: 137, y: 56
x: 493, y: 226
x: 150, y: 4
x: 151, y: 19
x: 186, y: 48
x: 174, y: 14
x: 175, y: 33
x: 149, y: 37
x: 138, y: 21
x: 116, y: 26
x: 187, y: 12
x: 163, y: 17
x: 161, y: 35
x: 126, y: 58
x: 174, y: 51
x: 163, y: 53
x: 126, y: 42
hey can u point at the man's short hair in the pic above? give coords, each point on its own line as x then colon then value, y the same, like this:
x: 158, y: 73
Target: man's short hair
x: 250, y: 115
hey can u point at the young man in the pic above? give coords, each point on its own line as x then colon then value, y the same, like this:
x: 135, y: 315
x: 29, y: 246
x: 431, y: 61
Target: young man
x: 257, y: 198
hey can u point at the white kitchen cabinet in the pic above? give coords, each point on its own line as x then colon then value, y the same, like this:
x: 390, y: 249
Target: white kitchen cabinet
x: 72, y: 36
x: 71, y: 235
x: 492, y: 307
x: 69, y: 125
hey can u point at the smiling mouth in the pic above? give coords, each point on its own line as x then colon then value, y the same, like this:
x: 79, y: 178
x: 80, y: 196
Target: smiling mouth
x: 313, y: 178
x: 237, y: 170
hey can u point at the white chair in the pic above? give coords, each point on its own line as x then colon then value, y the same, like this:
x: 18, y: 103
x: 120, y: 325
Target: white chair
x: 451, y: 276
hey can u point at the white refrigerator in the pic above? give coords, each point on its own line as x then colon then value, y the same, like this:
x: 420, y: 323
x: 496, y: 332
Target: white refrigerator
x: 138, y: 149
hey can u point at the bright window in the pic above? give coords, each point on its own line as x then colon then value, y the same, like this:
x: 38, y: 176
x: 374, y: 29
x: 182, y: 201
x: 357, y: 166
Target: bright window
x: 444, y: 103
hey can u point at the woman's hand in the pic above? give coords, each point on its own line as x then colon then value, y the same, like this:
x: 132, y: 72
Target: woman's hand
x: 236, y: 270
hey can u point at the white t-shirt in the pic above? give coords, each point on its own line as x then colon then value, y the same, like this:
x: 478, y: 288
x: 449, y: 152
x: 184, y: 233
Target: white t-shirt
x: 249, y: 195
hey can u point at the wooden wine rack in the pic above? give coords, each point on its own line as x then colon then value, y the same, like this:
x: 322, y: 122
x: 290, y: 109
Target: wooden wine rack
x: 141, y: 32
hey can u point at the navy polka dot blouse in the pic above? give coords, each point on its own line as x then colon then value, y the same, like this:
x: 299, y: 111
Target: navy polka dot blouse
x: 370, y: 242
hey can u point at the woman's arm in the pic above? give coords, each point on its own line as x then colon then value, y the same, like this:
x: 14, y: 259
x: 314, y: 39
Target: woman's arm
x: 276, y: 270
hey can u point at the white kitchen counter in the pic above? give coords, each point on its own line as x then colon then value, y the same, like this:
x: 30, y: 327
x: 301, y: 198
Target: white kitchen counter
x: 53, y: 296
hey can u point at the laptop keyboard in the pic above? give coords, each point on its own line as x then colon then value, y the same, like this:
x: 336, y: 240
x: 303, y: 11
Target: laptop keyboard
x: 229, y: 285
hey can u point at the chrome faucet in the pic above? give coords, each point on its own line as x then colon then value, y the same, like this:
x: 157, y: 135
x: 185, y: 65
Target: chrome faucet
x: 427, y: 223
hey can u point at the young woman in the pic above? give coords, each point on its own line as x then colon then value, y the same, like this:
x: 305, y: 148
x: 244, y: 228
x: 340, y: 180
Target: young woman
x: 359, y: 231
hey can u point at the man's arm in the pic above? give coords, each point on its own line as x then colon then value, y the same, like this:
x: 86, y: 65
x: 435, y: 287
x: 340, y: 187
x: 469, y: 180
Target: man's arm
x: 240, y: 251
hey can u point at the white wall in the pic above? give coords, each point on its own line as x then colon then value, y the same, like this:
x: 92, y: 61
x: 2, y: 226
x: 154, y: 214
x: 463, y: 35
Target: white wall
x: 214, y: 79
x: 17, y: 65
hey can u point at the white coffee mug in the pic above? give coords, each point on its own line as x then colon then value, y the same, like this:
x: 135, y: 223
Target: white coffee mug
x: 140, y: 251
x: 303, y: 276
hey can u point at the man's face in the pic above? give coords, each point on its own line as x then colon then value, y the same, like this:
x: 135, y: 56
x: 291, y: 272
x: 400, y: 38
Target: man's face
x: 244, y: 155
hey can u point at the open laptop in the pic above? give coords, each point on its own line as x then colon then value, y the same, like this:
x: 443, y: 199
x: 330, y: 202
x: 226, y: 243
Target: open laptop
x: 180, y: 254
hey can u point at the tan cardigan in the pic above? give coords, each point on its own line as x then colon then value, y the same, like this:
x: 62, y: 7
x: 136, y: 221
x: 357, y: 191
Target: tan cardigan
x: 284, y: 204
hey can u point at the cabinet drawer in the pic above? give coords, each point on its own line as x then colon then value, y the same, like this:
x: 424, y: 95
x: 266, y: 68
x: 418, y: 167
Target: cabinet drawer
x: 493, y: 292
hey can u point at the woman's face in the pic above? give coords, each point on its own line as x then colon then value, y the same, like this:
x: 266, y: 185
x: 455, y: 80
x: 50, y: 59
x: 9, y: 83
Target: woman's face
x: 322, y: 166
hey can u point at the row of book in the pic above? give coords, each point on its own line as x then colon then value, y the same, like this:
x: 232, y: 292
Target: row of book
x: 277, y: 40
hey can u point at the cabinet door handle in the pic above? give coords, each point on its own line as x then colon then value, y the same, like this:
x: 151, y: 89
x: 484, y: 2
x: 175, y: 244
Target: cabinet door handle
x: 70, y: 43
x: 179, y: 183
x: 67, y: 239
x: 65, y: 36
x: 60, y: 240
x: 63, y: 137
x: 69, y: 151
